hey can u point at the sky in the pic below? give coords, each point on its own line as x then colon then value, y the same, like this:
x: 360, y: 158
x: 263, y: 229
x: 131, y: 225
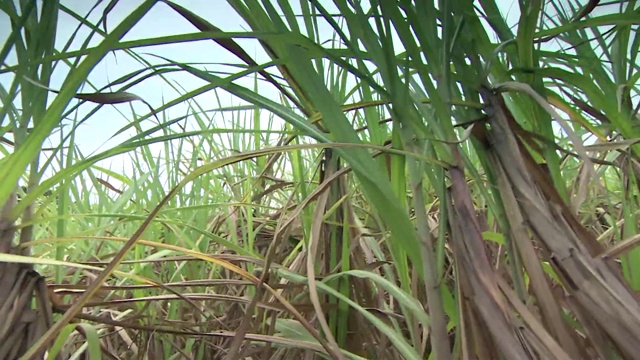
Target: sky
x: 95, y: 135
x: 160, y: 21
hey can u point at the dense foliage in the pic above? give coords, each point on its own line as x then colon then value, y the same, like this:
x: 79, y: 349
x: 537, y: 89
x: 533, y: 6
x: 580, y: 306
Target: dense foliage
x: 330, y: 179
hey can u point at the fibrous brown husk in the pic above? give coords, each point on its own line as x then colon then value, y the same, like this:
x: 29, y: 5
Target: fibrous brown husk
x: 594, y: 289
x: 22, y: 324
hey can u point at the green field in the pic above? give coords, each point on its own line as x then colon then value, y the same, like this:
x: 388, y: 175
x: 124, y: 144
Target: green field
x: 314, y: 179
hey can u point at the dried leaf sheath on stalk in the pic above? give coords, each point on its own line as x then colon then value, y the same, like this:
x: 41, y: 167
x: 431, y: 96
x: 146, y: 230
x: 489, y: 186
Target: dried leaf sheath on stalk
x: 23, y: 323
x: 595, y: 290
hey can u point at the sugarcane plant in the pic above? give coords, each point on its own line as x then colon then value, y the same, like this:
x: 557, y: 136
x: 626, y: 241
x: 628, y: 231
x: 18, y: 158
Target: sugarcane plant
x: 390, y: 180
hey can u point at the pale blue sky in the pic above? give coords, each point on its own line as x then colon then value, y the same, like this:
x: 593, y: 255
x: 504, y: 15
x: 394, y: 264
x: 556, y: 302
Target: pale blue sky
x: 161, y: 20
